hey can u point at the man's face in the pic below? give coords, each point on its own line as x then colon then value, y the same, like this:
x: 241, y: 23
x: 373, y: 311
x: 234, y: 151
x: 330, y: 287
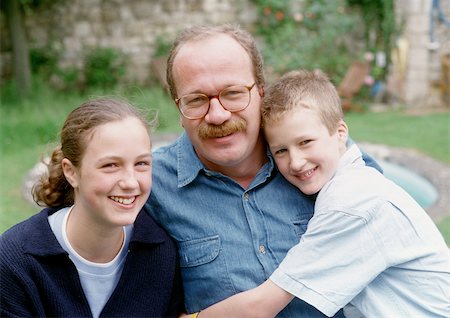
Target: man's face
x: 221, y: 138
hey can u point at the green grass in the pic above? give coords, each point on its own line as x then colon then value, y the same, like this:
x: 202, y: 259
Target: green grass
x: 428, y: 133
x: 28, y: 129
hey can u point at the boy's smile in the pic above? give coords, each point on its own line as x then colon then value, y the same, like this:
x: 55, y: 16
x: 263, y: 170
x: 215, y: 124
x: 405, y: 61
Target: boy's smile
x: 305, y: 152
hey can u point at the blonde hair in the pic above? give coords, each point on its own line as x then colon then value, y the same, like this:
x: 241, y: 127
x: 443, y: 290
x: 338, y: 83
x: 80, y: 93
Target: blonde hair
x: 302, y: 88
x: 244, y: 38
x: 53, y: 190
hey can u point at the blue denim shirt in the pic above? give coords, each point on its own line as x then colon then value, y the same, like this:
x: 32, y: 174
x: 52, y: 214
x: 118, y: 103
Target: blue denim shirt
x: 229, y: 239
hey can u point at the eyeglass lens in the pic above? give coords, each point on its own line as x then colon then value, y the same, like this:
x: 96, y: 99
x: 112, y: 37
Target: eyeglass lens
x: 233, y: 98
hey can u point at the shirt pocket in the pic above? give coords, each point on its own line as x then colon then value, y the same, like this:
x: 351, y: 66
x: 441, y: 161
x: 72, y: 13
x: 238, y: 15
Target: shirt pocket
x: 199, y: 251
x: 300, y: 226
x: 204, y: 269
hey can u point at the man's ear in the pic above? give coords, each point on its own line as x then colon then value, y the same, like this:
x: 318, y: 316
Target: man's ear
x: 70, y: 172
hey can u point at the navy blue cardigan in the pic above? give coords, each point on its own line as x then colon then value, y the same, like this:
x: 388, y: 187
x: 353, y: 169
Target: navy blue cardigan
x: 38, y: 279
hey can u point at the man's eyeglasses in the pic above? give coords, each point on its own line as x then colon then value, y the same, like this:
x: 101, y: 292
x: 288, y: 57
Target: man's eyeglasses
x: 232, y: 98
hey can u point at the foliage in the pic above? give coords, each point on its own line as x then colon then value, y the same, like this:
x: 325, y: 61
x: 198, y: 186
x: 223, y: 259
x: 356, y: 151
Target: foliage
x: 104, y: 67
x: 380, y: 27
x: 309, y: 34
x: 162, y: 46
x: 44, y: 61
x: 45, y: 65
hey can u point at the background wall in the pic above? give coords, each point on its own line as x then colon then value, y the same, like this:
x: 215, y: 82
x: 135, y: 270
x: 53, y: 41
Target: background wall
x: 420, y: 75
x: 133, y: 26
x: 138, y: 27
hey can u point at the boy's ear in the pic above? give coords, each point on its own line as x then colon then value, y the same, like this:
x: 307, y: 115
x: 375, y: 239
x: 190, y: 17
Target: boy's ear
x: 342, y: 131
x: 70, y: 172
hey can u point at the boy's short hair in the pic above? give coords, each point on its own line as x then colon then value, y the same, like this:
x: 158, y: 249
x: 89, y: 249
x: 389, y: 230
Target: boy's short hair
x: 301, y: 88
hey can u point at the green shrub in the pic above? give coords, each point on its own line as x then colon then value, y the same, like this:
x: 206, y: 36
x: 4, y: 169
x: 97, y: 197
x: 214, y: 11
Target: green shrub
x: 45, y: 66
x: 44, y: 61
x: 104, y: 67
x: 162, y: 46
x: 319, y: 34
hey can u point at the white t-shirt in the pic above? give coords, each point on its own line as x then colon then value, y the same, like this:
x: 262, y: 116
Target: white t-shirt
x: 97, y: 279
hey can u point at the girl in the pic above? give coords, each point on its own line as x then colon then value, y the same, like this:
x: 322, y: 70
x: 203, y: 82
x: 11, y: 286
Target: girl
x: 92, y: 252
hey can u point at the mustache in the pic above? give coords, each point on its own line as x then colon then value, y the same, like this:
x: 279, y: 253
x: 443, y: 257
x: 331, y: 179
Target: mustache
x: 212, y: 131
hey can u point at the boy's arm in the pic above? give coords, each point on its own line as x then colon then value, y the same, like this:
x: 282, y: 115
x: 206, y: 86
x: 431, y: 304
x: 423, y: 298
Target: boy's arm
x: 266, y: 300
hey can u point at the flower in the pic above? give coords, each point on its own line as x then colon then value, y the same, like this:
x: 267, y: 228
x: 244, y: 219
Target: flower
x: 298, y: 17
x: 279, y: 15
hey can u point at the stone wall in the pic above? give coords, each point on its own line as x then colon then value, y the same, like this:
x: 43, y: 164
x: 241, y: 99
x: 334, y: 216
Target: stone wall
x: 418, y: 72
x: 133, y: 26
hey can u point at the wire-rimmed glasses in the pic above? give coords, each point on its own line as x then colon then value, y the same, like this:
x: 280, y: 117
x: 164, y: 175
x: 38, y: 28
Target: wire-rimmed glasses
x: 233, y: 98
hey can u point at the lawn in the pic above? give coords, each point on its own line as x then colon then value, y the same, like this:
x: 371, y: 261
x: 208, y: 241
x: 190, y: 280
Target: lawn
x: 28, y: 130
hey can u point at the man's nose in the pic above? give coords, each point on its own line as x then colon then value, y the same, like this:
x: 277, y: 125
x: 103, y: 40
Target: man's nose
x: 216, y: 114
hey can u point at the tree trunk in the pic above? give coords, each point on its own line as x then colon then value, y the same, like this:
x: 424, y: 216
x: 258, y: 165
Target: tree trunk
x: 21, y: 56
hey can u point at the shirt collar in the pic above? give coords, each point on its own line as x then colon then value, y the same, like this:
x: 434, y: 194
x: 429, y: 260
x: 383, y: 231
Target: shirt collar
x: 352, y: 156
x: 146, y: 231
x: 41, y: 240
x: 189, y: 165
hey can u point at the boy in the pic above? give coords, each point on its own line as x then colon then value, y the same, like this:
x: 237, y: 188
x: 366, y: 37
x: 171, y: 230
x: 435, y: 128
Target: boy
x: 369, y: 244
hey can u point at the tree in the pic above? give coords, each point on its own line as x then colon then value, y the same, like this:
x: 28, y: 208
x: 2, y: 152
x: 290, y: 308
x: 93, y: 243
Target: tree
x: 19, y: 42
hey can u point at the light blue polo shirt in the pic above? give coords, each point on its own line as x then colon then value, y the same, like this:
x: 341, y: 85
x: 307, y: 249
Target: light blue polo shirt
x: 371, y: 245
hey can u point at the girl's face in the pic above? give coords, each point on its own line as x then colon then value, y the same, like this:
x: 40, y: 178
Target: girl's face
x: 114, y: 180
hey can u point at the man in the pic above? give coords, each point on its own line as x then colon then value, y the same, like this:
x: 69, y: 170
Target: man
x: 216, y: 189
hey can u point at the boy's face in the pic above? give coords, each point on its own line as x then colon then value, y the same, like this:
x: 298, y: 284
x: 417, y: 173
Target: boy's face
x: 305, y: 152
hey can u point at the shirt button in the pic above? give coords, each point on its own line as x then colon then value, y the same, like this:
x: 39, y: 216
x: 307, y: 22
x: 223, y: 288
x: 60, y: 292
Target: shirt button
x: 246, y: 196
x: 262, y: 249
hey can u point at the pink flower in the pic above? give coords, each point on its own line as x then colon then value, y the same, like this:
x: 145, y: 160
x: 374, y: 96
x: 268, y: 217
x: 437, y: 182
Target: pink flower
x: 298, y: 17
x: 369, y: 57
x: 369, y: 80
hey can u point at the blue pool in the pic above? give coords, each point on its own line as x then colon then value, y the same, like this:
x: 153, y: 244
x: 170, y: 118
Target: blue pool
x: 417, y: 186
